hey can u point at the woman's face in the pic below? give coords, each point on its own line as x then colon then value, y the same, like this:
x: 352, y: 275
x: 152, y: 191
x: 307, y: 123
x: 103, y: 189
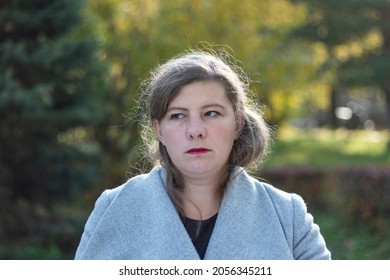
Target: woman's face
x: 198, y: 130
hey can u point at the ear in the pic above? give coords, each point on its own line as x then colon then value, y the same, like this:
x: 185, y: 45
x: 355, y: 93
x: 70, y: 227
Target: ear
x: 157, y: 129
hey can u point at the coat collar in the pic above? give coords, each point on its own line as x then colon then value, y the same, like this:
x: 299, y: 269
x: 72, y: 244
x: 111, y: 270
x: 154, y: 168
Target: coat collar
x: 140, y: 222
x: 242, y: 228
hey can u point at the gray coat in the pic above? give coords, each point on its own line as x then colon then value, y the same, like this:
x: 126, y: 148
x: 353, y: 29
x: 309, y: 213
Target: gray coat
x: 256, y: 221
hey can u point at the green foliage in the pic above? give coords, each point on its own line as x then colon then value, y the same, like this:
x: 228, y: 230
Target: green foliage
x: 356, y: 37
x: 308, y: 182
x: 335, y: 22
x: 48, y: 86
x: 35, y: 231
x: 362, y: 194
x: 50, y: 99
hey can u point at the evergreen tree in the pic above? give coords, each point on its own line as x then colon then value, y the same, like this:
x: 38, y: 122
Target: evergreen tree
x: 50, y: 99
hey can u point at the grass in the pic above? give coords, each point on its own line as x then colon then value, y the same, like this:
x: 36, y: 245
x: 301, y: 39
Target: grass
x: 353, y: 242
x: 327, y: 149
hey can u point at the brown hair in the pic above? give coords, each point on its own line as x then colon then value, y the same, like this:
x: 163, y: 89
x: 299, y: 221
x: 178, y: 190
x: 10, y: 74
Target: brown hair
x: 164, y: 84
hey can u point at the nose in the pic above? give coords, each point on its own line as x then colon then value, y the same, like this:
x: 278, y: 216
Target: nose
x: 196, y: 129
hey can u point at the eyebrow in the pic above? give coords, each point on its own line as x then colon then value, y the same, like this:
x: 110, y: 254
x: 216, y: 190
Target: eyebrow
x: 203, y: 107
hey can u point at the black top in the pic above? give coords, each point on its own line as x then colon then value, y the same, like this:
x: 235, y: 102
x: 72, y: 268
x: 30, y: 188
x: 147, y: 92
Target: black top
x: 200, y: 232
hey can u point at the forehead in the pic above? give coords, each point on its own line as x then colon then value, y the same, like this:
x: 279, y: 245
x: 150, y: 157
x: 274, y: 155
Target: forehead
x: 201, y: 93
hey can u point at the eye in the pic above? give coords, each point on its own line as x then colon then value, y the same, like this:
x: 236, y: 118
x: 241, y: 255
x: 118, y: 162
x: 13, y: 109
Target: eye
x: 211, y: 114
x: 177, y: 116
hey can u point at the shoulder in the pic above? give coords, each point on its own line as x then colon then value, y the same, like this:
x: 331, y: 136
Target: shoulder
x: 298, y: 225
x: 283, y: 214
x: 283, y: 198
x: 288, y: 207
x: 280, y: 198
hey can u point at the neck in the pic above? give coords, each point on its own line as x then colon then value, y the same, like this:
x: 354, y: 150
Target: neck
x: 202, y: 199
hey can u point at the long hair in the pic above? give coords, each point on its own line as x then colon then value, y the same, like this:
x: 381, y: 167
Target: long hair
x: 163, y: 85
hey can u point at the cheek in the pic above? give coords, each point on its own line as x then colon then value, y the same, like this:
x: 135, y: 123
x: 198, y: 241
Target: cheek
x: 224, y: 137
x: 170, y: 136
x: 228, y: 132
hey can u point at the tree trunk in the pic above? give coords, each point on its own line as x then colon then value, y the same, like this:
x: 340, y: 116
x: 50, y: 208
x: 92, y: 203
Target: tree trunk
x: 385, y: 13
x: 332, y: 110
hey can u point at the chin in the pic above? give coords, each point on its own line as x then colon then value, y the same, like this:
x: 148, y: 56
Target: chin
x: 200, y: 170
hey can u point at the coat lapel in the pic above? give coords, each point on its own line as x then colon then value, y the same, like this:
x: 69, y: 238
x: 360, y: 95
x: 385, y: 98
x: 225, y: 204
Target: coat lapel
x: 164, y: 236
x: 141, y: 223
x: 247, y: 226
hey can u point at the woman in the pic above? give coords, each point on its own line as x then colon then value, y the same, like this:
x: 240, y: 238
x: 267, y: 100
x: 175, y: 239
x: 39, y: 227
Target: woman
x: 199, y: 202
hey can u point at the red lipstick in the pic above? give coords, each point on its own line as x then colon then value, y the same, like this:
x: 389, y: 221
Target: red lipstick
x: 197, y: 151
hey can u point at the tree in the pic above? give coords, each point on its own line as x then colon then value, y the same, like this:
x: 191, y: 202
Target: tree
x: 50, y: 99
x: 355, y: 35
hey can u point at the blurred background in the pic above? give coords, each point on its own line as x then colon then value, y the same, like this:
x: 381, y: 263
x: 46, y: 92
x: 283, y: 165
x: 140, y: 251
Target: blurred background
x: 70, y: 72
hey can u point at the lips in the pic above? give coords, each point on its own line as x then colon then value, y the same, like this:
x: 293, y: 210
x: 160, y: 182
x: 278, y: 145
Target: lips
x: 197, y: 151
